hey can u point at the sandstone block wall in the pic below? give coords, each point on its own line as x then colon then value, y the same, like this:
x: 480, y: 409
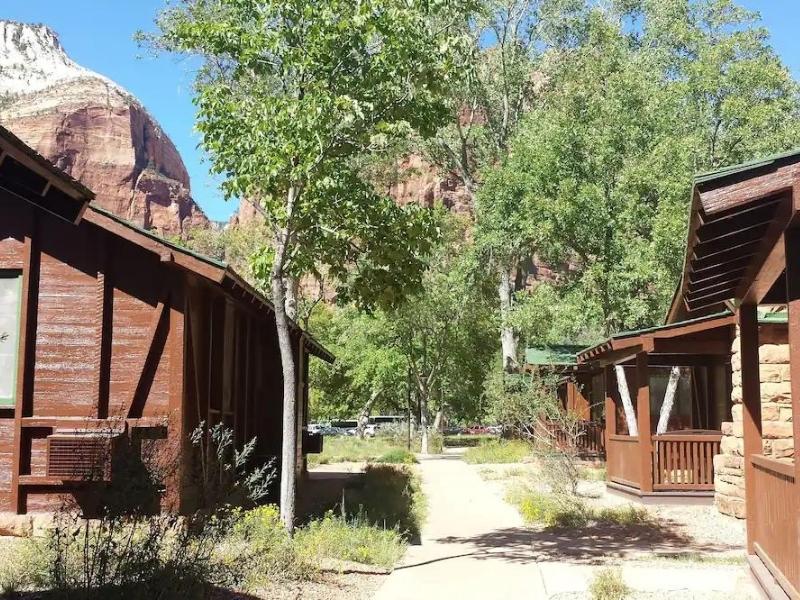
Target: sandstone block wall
x: 776, y: 414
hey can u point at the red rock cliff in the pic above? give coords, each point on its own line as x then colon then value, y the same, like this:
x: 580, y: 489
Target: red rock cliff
x: 93, y: 129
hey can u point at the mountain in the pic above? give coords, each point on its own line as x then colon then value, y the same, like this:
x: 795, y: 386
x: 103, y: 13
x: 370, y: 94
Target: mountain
x: 93, y: 129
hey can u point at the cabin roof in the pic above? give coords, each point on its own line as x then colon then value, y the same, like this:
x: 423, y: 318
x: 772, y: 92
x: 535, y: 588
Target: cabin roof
x: 737, y: 217
x: 215, y: 270
x: 626, y: 340
x: 552, y: 354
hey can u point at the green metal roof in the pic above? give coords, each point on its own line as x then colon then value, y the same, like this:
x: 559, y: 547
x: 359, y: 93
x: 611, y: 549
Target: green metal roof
x: 555, y: 354
x: 635, y: 332
x: 745, y: 166
x: 778, y: 317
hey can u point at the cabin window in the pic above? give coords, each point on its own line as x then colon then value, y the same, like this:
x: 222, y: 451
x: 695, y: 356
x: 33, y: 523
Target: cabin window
x: 10, y: 285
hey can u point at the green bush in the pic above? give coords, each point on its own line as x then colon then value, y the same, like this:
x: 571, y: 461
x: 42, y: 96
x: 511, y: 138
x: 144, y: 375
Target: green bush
x: 351, y: 540
x: 498, y: 451
x: 592, y: 473
x: 390, y: 497
x: 397, y: 456
x: 608, y: 584
x: 552, y: 511
x: 624, y: 515
x: 24, y: 565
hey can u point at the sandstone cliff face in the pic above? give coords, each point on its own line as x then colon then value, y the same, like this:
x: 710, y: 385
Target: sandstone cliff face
x: 93, y: 129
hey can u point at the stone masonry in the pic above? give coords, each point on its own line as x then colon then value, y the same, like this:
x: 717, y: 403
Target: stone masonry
x: 776, y: 414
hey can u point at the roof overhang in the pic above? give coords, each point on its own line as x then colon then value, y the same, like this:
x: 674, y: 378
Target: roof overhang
x: 705, y: 336
x: 735, y: 250
x: 27, y: 175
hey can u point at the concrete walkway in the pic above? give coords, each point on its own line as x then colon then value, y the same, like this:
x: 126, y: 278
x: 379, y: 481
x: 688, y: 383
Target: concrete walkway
x: 474, y: 545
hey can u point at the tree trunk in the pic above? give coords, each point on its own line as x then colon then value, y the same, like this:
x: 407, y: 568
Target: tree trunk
x: 363, y: 417
x: 290, y: 286
x: 669, y: 400
x: 423, y: 419
x: 437, y: 420
x: 508, y: 337
x: 409, y: 425
x: 624, y: 394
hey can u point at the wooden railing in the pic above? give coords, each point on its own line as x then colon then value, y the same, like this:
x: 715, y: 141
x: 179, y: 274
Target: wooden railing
x: 623, y: 461
x: 684, y: 461
x: 588, y: 438
x: 775, y: 527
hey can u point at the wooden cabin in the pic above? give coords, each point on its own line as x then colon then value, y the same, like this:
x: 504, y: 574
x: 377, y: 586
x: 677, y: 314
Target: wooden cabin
x: 111, y: 337
x: 685, y: 368
x: 743, y: 252
x: 580, y: 393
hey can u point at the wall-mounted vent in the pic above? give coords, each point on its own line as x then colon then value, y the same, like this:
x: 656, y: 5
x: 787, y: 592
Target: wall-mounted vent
x: 80, y: 456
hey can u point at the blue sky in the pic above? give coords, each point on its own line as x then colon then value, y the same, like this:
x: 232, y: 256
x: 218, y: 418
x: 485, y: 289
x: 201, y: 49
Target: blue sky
x: 99, y: 35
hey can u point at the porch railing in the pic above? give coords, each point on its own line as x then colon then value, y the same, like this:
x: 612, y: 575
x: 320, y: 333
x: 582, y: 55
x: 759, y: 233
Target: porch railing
x: 775, y: 527
x: 684, y: 461
x: 623, y: 463
x: 588, y: 438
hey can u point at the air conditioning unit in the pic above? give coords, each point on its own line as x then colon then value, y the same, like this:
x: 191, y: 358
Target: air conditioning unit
x: 81, y: 456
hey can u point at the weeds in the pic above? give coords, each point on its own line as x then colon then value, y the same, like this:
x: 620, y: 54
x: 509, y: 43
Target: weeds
x: 397, y: 456
x: 498, y: 451
x: 467, y: 441
x: 608, y: 584
x: 355, y: 540
x: 338, y: 449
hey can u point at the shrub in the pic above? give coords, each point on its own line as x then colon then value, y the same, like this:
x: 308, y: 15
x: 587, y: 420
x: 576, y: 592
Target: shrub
x: 498, y: 451
x: 390, y: 498
x: 23, y: 565
x: 624, y: 515
x: 552, y: 511
x: 353, y: 540
x: 608, y: 584
x: 397, y: 456
x: 592, y: 473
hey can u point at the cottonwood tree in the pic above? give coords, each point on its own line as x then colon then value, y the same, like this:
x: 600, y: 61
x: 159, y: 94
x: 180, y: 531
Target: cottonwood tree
x: 510, y: 41
x: 289, y: 92
x: 630, y: 114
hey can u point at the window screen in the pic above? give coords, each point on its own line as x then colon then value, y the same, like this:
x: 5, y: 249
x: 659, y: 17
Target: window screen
x: 9, y: 334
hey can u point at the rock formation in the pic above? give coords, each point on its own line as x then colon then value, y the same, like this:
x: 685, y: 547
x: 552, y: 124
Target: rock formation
x: 95, y: 130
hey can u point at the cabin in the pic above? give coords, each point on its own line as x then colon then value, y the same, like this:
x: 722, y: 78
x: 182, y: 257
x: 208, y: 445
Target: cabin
x: 743, y: 254
x: 667, y: 393
x: 114, y: 342
x: 580, y: 393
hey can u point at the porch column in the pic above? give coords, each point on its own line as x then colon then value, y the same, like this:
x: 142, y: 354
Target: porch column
x: 751, y: 413
x: 643, y: 422
x: 611, y: 408
x: 792, y: 241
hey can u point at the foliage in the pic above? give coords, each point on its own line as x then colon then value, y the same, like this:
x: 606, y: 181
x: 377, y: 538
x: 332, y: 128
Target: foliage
x: 354, y: 540
x: 339, y: 449
x: 467, y: 441
x: 23, y: 565
x: 398, y: 456
x: 498, y: 451
x: 130, y: 545
x: 391, y: 497
x: 602, y: 164
x: 519, y: 402
x: 608, y: 584
x: 551, y: 510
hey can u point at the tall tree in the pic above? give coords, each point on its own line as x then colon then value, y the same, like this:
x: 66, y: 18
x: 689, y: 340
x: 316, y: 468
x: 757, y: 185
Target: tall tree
x: 288, y: 93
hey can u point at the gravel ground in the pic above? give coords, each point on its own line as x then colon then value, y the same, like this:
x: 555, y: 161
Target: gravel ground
x: 332, y: 586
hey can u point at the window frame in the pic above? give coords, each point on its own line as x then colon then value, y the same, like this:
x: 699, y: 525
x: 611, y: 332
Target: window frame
x: 15, y: 274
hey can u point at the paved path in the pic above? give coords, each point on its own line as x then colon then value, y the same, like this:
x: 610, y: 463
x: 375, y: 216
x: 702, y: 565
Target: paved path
x: 473, y: 544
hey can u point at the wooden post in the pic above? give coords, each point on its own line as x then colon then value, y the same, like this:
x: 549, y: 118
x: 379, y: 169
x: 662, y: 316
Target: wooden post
x: 792, y: 241
x: 611, y: 408
x: 751, y: 413
x: 643, y: 422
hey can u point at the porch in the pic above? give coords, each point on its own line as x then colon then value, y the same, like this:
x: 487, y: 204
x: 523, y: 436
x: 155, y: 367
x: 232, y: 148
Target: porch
x: 667, y: 392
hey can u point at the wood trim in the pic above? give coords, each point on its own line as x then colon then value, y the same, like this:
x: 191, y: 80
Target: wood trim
x: 791, y: 257
x: 643, y: 422
x: 624, y: 438
x: 27, y: 351
x: 774, y: 466
x: 751, y: 413
x: 152, y: 332
x: 686, y: 437
x: 787, y: 586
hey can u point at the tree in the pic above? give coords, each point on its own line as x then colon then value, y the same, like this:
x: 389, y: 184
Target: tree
x: 655, y: 92
x: 289, y: 92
